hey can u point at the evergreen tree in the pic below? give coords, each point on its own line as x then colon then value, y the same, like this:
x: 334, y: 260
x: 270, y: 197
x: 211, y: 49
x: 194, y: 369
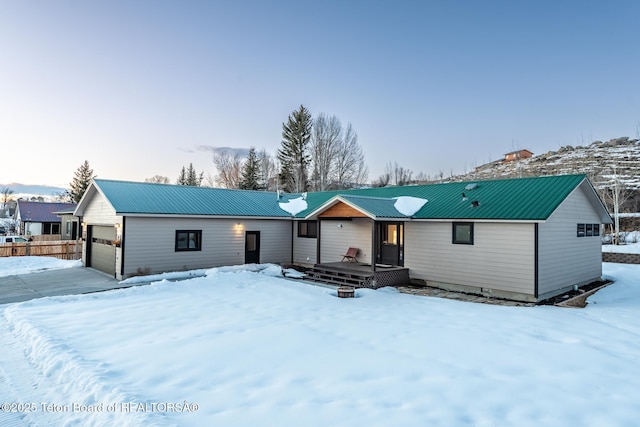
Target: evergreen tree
x: 80, y: 182
x: 190, y: 177
x: 250, y: 179
x: 293, y: 153
x: 182, y: 178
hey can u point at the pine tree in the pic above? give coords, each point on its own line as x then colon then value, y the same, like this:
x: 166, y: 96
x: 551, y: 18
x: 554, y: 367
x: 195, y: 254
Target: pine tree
x: 293, y: 154
x: 250, y: 179
x: 182, y: 178
x: 190, y: 177
x: 80, y: 182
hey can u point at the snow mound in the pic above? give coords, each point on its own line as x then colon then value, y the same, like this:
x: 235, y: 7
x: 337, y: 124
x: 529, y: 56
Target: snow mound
x: 272, y: 270
x: 172, y: 276
x: 408, y: 205
x: 294, y: 206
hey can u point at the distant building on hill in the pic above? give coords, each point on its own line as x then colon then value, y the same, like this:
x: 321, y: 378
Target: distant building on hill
x: 517, y: 155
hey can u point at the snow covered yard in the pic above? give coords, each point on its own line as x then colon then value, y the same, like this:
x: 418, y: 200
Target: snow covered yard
x: 240, y: 348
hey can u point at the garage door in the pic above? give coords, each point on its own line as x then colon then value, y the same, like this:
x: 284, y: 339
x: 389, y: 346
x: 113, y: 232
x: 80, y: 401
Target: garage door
x: 103, y: 253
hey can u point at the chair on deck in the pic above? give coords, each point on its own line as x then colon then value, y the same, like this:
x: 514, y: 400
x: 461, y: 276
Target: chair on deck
x: 350, y: 256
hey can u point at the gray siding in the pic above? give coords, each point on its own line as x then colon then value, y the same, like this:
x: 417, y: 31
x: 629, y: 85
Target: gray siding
x: 501, y: 258
x: 564, y: 258
x: 335, y: 240
x: 150, y: 243
x: 304, y: 249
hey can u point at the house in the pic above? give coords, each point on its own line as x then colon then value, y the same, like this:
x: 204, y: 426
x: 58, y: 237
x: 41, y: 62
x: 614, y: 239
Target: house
x: 40, y: 218
x: 69, y: 224
x: 524, y: 239
x: 517, y: 155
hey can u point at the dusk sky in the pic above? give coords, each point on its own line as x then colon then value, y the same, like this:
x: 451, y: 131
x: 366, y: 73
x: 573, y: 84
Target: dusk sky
x: 143, y: 88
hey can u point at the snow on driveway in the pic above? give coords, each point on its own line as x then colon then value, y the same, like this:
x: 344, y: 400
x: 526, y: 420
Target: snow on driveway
x: 241, y: 348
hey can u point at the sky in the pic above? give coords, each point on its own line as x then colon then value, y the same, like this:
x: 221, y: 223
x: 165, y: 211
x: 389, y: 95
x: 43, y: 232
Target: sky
x: 143, y: 88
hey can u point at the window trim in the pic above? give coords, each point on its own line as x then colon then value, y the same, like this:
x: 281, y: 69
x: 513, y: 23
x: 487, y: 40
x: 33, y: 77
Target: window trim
x: 198, y: 247
x: 307, y: 235
x: 454, y: 239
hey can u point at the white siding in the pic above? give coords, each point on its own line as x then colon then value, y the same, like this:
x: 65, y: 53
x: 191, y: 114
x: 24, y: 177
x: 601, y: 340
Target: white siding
x: 150, y: 243
x: 501, y: 258
x: 33, y: 228
x: 564, y: 258
x: 99, y: 211
x: 336, y: 240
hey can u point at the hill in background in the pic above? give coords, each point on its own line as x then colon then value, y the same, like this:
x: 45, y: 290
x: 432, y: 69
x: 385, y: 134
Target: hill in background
x: 610, y: 163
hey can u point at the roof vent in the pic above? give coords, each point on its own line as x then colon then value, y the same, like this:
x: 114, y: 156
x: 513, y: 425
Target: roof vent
x: 471, y: 186
x: 475, y: 204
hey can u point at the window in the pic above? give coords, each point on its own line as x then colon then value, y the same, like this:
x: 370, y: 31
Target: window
x: 188, y: 240
x: 50, y: 228
x: 463, y: 233
x: 308, y: 229
x: 588, y: 230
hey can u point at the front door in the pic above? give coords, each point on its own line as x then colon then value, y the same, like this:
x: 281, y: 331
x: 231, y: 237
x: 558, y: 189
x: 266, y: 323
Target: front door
x: 390, y: 243
x: 252, y: 247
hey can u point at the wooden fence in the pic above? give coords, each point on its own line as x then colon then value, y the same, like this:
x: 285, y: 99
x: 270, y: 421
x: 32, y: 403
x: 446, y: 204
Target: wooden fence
x: 63, y: 249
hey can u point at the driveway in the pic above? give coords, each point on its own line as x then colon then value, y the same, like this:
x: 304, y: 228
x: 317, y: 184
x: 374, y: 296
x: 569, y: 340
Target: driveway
x: 67, y: 281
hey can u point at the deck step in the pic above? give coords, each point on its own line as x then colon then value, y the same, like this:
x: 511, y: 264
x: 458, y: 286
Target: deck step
x: 339, y: 278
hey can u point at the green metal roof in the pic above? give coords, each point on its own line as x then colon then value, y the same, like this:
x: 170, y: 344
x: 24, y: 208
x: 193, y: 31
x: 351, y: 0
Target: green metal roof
x: 505, y: 199
x: 378, y: 207
x: 148, y: 198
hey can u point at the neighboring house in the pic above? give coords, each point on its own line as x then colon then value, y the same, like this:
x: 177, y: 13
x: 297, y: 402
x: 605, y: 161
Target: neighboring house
x: 517, y: 155
x: 524, y: 239
x: 40, y: 218
x: 69, y: 224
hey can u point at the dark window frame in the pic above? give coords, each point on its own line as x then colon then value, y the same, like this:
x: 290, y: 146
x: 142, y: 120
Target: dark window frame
x: 50, y: 228
x: 596, y: 229
x: 589, y: 230
x: 454, y: 234
x: 581, y: 230
x: 308, y: 232
x: 189, y: 233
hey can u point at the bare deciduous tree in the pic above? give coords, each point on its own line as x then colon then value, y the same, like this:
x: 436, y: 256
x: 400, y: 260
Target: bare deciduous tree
x: 394, y: 175
x: 338, y: 159
x: 615, y: 194
x: 158, y: 179
x: 229, y: 169
x: 6, y: 193
x: 351, y: 168
x: 268, y: 171
x: 325, y: 139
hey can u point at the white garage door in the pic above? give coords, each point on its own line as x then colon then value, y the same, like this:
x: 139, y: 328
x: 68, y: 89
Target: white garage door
x: 103, y: 253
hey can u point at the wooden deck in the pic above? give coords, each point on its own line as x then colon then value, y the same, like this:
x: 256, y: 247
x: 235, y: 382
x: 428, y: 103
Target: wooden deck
x: 358, y: 275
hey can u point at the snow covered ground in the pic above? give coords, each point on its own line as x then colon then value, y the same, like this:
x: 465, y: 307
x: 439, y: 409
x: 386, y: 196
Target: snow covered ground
x: 10, y: 266
x: 631, y: 248
x: 245, y: 348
